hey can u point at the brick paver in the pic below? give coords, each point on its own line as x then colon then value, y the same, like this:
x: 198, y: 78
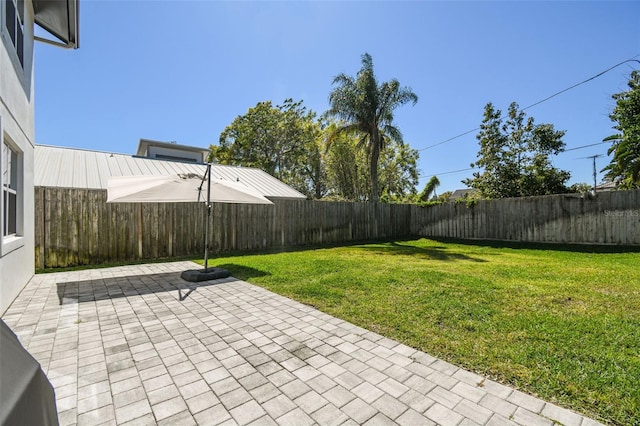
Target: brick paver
x: 137, y: 345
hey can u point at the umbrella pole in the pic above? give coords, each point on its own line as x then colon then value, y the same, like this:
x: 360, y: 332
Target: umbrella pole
x: 197, y: 275
x: 206, y: 228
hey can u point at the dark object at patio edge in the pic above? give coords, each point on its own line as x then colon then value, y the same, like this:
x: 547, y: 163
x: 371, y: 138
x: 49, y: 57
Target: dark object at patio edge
x: 197, y: 275
x: 26, y: 395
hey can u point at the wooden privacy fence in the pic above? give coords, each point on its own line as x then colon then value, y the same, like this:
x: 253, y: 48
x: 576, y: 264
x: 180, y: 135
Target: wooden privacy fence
x: 606, y: 218
x: 78, y: 227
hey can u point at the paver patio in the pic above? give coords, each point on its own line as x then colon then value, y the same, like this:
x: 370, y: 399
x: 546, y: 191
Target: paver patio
x: 138, y: 345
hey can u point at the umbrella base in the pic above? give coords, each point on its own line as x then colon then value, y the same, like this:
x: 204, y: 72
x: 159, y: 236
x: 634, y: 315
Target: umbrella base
x: 197, y: 275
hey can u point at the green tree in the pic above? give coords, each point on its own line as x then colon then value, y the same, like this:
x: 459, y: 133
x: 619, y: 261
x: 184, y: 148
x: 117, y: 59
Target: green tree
x: 348, y: 175
x: 398, y: 173
x: 580, y: 187
x: 346, y: 165
x: 445, y: 196
x: 309, y: 175
x: 366, y: 108
x: 429, y: 189
x: 624, y: 168
x: 514, y: 156
x: 282, y: 140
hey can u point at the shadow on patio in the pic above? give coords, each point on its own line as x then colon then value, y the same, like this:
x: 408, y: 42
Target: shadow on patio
x: 139, y: 285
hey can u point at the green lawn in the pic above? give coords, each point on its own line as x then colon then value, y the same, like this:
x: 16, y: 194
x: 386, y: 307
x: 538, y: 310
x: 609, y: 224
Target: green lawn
x: 560, y: 324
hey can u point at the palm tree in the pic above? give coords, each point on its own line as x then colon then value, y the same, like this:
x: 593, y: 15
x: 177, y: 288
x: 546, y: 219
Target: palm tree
x: 429, y: 188
x: 366, y: 108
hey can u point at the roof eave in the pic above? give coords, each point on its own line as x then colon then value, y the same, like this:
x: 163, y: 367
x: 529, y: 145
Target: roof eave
x: 60, y: 18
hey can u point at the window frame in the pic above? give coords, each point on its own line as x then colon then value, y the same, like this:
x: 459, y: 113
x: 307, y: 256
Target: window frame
x: 12, y: 241
x: 15, y: 35
x: 9, y: 191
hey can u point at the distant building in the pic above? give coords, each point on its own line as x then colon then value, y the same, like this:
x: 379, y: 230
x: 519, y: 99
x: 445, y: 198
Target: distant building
x: 606, y: 186
x: 18, y: 18
x: 86, y: 169
x: 171, y: 151
x: 462, y: 193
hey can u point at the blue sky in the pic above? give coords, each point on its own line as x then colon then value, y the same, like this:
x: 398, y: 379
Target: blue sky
x: 182, y: 71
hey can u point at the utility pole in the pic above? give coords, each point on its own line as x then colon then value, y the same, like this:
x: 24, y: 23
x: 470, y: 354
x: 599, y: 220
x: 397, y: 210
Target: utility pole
x: 595, y: 171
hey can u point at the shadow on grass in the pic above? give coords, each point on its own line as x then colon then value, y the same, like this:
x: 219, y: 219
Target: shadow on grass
x: 578, y: 248
x: 441, y: 253
x: 242, y: 272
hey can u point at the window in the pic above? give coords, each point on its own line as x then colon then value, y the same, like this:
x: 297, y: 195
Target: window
x: 14, y: 22
x: 175, y: 158
x: 9, y: 190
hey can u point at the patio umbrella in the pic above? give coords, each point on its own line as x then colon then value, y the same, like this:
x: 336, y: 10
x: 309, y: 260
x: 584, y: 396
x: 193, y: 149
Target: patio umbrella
x: 184, y: 188
x: 180, y: 188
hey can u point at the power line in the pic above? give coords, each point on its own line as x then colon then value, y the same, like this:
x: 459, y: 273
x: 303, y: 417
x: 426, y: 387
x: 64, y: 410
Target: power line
x: 473, y: 168
x: 450, y: 139
x: 448, y: 173
x: 584, y: 146
x: 583, y: 82
x: 632, y: 59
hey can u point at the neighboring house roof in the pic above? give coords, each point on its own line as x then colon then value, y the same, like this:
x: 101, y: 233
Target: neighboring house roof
x: 606, y: 186
x: 79, y: 168
x: 461, y: 193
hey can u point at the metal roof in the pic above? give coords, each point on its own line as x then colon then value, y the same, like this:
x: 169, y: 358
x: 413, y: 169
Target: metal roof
x: 84, y: 169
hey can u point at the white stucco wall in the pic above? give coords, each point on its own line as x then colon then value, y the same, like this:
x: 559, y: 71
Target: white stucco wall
x: 17, y: 126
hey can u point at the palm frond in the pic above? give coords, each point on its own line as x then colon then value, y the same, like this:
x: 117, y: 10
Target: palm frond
x: 391, y: 97
x: 367, y: 107
x: 393, y: 133
x: 343, y: 80
x: 429, y: 189
x: 367, y: 62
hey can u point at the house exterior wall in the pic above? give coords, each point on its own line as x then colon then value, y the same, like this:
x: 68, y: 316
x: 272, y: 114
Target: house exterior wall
x: 17, y: 131
x: 177, y: 154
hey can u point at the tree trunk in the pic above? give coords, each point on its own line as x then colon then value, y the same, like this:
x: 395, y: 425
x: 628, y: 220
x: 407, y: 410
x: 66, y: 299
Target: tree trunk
x: 373, y: 164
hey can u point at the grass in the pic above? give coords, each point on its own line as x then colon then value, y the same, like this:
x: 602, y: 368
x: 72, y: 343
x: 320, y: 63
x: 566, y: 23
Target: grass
x: 562, y: 324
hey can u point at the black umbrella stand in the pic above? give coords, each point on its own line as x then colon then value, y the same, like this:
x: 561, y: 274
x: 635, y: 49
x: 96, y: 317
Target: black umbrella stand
x: 206, y: 274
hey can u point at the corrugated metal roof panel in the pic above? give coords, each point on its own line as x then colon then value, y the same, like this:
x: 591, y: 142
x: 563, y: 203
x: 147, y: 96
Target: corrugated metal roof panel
x: 79, y: 168
x: 93, y: 179
x: 102, y: 171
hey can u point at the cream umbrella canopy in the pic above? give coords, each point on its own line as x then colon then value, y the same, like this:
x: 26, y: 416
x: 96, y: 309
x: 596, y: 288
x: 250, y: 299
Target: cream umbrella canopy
x: 183, y: 188
x: 180, y: 188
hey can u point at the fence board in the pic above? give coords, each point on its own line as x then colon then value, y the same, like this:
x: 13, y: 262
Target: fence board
x: 78, y: 227
x: 607, y: 218
x: 39, y: 227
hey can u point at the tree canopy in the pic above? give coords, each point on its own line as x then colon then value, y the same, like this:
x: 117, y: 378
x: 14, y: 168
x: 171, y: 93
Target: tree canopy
x: 282, y: 140
x: 366, y: 108
x: 398, y: 173
x: 347, y: 169
x: 624, y: 168
x: 514, y: 156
